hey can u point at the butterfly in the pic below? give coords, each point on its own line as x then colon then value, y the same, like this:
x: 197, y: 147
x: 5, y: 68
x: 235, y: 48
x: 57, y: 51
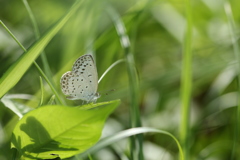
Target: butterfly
x: 82, y: 82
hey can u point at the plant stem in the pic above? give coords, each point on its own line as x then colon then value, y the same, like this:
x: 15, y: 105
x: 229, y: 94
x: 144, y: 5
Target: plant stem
x: 42, y: 92
x: 186, y: 83
x: 109, y: 68
x: 136, y: 140
x: 127, y: 133
x: 46, y: 67
x: 39, y: 69
x: 14, y: 154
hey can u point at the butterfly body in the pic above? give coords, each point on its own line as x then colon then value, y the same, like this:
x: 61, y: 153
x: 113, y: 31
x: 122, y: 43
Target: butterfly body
x: 81, y: 83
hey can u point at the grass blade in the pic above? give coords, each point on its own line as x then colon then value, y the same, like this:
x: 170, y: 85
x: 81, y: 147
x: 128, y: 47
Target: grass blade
x: 42, y: 92
x: 136, y: 141
x: 17, y: 70
x: 51, y: 101
x: 186, y: 82
x: 109, y: 68
x: 46, y: 67
x: 127, y: 133
x: 36, y: 65
x: 234, y: 39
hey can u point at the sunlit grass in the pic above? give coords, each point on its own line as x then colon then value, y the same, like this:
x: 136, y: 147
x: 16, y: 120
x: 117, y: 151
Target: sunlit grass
x: 186, y: 82
x: 232, y: 28
x: 166, y: 83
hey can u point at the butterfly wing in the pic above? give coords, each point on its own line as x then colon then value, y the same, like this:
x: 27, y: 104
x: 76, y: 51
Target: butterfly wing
x: 82, y: 81
x: 65, y: 83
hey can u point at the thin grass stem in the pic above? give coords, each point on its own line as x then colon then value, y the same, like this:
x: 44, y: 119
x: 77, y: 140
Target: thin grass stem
x: 127, y: 133
x: 136, y: 140
x: 109, y: 68
x: 90, y: 157
x: 51, y: 101
x: 36, y: 65
x: 42, y: 92
x: 46, y: 67
x: 186, y: 82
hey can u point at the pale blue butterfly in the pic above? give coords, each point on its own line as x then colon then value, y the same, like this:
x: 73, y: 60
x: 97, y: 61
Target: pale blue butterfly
x: 82, y: 82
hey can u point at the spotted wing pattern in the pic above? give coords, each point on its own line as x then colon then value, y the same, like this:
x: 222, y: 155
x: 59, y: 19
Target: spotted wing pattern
x: 82, y: 81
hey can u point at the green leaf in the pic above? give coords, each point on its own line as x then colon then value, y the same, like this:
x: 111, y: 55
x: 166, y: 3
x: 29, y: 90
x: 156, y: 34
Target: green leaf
x: 17, y: 70
x: 52, y: 131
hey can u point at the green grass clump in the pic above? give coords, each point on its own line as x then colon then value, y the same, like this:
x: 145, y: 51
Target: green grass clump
x: 174, y: 67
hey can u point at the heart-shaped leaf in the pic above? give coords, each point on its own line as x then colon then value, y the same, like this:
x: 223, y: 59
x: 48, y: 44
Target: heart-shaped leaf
x: 60, y: 131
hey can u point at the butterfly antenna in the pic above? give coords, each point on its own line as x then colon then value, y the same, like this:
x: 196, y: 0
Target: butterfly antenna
x: 106, y: 92
x: 110, y: 91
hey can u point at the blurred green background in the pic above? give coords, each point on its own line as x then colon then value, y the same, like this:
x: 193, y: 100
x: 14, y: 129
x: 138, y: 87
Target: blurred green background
x: 155, y: 29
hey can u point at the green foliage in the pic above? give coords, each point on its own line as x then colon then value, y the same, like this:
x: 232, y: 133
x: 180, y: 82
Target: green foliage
x: 16, y: 71
x: 60, y: 131
x: 151, y: 82
x: 130, y: 132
